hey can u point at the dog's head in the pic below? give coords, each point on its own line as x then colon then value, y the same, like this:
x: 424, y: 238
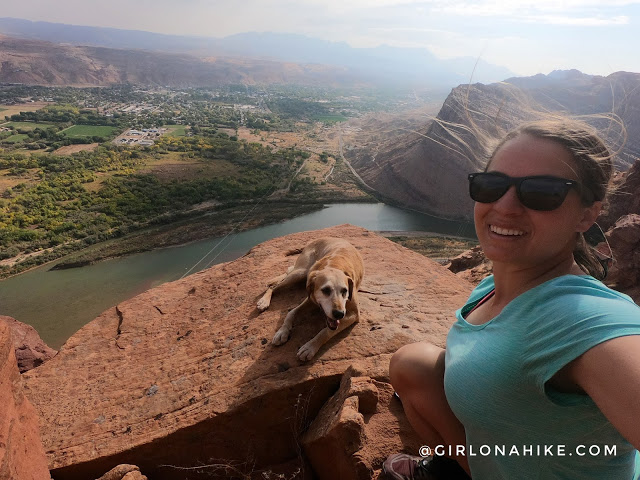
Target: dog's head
x: 330, y: 288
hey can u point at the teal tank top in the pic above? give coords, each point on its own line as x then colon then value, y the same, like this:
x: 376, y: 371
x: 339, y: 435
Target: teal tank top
x: 518, y: 427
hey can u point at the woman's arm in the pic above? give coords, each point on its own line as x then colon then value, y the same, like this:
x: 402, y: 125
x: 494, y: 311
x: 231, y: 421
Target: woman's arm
x: 610, y: 374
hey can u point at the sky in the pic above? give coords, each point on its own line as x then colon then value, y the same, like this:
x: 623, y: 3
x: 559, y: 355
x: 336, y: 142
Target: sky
x: 598, y: 37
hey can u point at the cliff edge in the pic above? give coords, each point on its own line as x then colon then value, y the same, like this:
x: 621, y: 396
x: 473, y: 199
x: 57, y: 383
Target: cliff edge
x: 21, y: 453
x: 183, y: 381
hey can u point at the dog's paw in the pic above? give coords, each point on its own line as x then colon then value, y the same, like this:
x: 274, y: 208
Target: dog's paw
x: 281, y: 336
x: 307, y: 351
x: 263, y: 304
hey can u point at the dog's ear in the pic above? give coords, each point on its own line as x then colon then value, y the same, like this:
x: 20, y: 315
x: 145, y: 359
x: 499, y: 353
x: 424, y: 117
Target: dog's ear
x: 311, y: 285
x: 350, y: 287
x: 349, y: 274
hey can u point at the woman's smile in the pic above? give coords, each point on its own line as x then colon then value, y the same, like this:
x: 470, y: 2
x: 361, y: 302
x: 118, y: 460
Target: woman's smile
x: 506, y: 231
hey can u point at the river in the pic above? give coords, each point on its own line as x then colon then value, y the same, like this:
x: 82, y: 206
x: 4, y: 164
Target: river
x: 57, y: 303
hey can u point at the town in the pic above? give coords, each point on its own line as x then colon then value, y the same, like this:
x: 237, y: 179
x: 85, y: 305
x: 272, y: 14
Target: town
x: 79, y: 166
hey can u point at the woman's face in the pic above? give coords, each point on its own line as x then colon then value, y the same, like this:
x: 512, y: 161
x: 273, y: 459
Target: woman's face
x: 513, y: 234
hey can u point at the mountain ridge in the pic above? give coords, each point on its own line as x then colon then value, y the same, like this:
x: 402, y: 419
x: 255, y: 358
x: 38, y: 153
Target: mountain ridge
x: 37, y: 62
x: 383, y: 64
x: 430, y: 166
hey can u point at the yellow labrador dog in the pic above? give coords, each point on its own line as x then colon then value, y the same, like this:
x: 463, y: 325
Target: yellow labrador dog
x: 333, y: 270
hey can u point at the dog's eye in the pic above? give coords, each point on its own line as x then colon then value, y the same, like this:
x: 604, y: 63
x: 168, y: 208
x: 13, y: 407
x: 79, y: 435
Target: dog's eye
x: 344, y: 292
x: 326, y: 290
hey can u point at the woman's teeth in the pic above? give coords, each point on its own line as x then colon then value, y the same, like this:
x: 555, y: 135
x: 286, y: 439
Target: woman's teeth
x: 505, y: 231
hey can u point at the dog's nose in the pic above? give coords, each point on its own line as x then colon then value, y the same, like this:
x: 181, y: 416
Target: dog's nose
x: 337, y: 314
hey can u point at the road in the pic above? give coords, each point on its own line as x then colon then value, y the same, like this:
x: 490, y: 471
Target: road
x: 285, y: 190
x: 350, y: 167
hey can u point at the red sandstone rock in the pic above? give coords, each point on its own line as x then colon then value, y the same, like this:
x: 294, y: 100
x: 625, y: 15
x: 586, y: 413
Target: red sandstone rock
x: 624, y: 238
x: 625, y: 199
x: 476, y: 274
x: 471, y: 265
x: 30, y: 350
x: 123, y: 472
x: 466, y: 260
x: 22, y: 456
x: 356, y: 429
x: 185, y: 374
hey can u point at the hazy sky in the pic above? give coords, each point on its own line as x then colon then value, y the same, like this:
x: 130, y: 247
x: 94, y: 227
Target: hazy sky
x: 527, y: 36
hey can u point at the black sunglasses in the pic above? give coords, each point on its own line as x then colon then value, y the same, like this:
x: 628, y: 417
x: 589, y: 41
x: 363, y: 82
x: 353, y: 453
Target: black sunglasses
x: 542, y: 192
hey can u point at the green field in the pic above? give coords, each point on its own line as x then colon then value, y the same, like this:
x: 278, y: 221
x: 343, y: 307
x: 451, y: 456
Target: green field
x: 89, y: 131
x: 16, y: 138
x: 176, y: 130
x: 27, y: 125
x: 330, y: 118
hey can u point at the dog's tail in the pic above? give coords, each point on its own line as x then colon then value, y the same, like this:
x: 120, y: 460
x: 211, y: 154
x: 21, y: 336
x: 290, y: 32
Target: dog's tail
x: 295, y: 251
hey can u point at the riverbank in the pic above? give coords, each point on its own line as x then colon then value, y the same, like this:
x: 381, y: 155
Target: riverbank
x: 205, y: 220
x: 242, y: 218
x: 179, y: 229
x: 214, y: 223
x: 437, y: 246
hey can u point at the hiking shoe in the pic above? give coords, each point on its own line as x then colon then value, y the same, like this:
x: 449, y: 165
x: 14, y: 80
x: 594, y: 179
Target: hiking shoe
x: 401, y: 466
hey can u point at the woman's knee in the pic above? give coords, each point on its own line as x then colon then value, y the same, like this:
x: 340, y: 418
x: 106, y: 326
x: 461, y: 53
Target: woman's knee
x: 417, y: 364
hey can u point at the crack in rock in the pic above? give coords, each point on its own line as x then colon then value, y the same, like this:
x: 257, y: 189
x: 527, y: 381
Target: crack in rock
x: 119, y: 330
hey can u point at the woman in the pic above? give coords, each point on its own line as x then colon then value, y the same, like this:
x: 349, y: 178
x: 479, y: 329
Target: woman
x: 543, y: 354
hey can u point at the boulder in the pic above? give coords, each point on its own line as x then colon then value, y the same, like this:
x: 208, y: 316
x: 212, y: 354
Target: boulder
x: 30, y: 350
x: 624, y: 238
x: 22, y: 455
x: 183, y: 378
x: 123, y: 472
x: 624, y: 199
x: 466, y: 260
x: 357, y: 429
x: 471, y: 265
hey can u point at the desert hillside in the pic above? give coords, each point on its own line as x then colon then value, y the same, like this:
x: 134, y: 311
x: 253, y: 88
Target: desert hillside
x: 423, y: 167
x: 44, y: 63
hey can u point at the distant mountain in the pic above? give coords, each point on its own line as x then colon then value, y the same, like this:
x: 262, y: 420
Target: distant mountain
x: 390, y: 65
x: 101, y: 36
x: 420, y: 169
x: 557, y: 78
x: 45, y: 63
x: 384, y: 62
